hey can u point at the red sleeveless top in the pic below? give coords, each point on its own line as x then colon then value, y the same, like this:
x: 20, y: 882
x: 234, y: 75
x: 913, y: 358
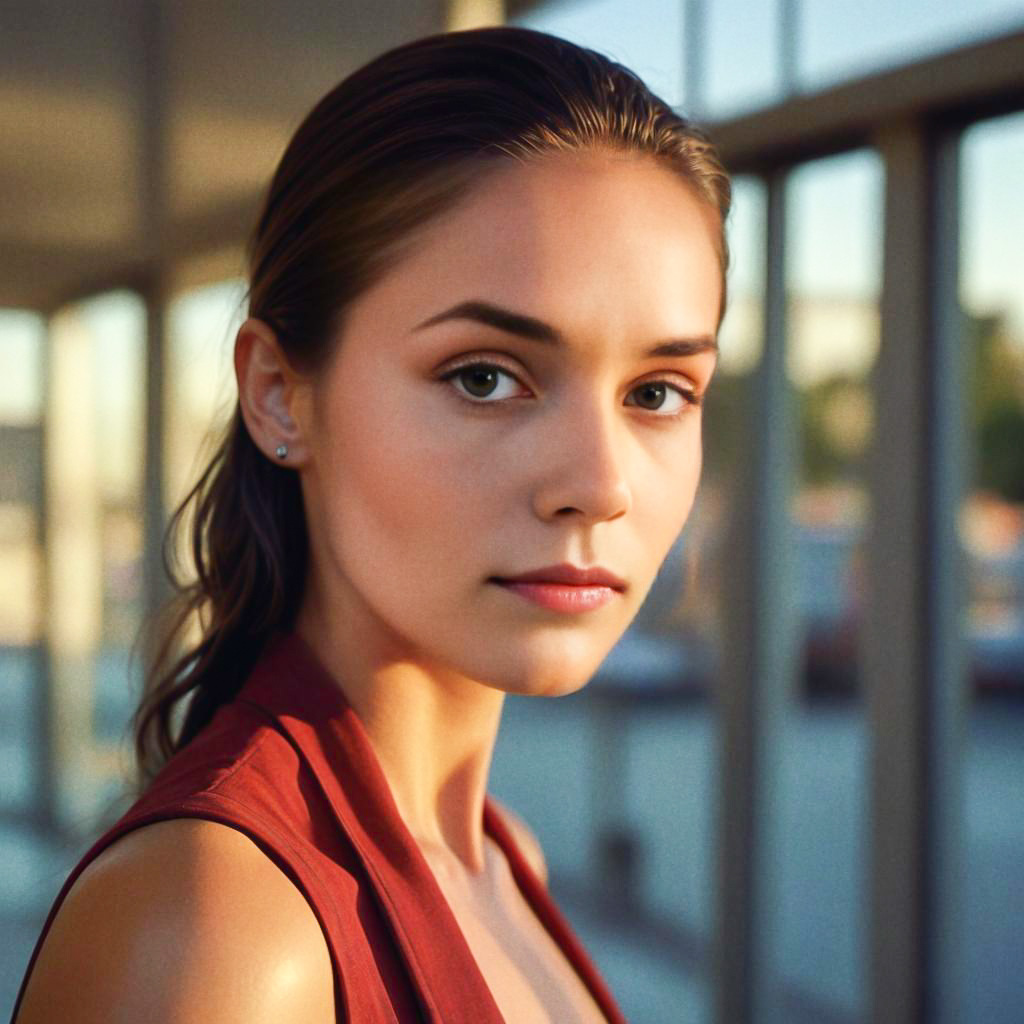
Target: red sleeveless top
x: 289, y: 763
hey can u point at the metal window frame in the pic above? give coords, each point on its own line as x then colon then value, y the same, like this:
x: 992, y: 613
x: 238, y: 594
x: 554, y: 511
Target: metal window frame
x: 912, y: 643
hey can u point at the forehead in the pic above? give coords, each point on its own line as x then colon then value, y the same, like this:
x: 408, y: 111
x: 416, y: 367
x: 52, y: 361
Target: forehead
x: 590, y: 241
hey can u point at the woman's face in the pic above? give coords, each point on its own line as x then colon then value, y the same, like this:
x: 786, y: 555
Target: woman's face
x: 423, y: 484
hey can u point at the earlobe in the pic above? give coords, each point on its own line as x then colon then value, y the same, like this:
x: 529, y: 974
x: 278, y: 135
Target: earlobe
x: 266, y: 390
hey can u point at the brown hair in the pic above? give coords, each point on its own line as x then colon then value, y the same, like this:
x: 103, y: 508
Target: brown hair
x: 393, y: 146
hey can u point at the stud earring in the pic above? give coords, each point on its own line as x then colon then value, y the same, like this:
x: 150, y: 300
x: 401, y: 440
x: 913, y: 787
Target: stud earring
x: 282, y: 451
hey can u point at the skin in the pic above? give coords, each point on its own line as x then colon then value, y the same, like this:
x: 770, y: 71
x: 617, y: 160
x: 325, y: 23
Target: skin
x: 415, y: 496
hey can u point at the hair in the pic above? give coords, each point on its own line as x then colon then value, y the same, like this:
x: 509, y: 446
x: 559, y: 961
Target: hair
x: 392, y: 147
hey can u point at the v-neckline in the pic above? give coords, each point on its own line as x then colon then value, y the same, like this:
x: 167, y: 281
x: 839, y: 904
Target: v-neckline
x: 306, y: 703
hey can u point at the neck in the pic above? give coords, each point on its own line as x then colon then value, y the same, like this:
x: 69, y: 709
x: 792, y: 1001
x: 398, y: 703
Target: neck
x: 433, y: 733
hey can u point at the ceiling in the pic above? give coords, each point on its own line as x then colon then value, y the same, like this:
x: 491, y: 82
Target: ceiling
x: 143, y: 131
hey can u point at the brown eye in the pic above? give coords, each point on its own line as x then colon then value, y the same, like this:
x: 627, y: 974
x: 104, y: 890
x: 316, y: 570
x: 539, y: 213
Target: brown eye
x: 653, y: 394
x: 479, y: 380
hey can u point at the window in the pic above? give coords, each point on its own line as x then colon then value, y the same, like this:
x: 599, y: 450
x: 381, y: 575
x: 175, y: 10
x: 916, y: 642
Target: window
x: 22, y: 350
x: 992, y: 534
x: 94, y: 467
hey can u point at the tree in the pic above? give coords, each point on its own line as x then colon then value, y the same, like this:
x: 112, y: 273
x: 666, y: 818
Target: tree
x: 996, y: 415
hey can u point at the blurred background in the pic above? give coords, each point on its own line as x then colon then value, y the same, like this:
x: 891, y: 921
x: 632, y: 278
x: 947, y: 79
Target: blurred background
x: 793, y: 792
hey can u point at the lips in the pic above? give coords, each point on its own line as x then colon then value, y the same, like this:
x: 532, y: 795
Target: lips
x: 569, y: 575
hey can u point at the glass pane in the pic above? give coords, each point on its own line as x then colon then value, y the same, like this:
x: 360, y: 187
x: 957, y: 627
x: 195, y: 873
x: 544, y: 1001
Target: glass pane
x: 834, y: 251
x: 833, y: 265
x: 992, y: 532
x: 94, y: 467
x: 741, y: 56
x: 841, y: 41
x: 742, y: 334
x: 200, y: 395
x: 21, y: 356
x: 645, y: 35
x: 200, y: 389
x: 22, y: 342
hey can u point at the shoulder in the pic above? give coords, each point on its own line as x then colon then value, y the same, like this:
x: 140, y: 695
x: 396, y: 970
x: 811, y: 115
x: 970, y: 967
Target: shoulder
x: 525, y: 839
x: 184, y: 919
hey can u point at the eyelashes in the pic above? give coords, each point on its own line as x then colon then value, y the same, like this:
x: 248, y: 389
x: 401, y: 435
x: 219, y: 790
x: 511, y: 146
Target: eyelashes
x: 689, y: 397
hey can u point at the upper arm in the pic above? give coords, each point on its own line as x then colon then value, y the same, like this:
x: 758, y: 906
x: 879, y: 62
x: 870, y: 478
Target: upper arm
x: 182, y: 920
x: 528, y: 843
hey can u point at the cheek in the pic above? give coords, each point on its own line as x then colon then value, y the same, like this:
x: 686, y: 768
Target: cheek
x: 676, y: 472
x: 691, y: 478
x: 404, y: 498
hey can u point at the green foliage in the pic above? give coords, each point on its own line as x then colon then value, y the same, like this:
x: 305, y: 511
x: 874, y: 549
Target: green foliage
x: 834, y: 423
x: 1001, y: 445
x: 996, y: 418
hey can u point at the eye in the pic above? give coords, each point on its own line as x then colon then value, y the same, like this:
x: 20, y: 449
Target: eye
x: 480, y: 383
x: 655, y: 391
x: 478, y: 380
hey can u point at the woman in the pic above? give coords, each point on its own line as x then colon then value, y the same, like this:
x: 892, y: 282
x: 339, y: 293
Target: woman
x: 485, y: 290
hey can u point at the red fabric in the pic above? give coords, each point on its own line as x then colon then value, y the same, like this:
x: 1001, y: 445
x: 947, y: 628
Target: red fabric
x: 289, y: 763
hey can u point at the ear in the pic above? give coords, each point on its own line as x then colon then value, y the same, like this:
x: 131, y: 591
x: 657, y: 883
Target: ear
x: 269, y: 392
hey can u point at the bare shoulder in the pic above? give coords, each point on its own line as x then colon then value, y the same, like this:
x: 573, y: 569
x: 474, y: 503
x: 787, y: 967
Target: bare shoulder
x: 182, y: 920
x: 525, y: 838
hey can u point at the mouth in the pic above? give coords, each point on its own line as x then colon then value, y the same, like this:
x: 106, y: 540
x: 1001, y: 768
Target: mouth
x: 568, y: 575
x: 560, y: 597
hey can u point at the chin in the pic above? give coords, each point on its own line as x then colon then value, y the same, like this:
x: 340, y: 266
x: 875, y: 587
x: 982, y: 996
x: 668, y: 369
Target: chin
x: 558, y: 684
x: 564, y: 688
x: 555, y: 665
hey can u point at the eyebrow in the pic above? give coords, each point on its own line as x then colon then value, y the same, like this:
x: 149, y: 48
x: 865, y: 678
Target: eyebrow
x: 532, y: 329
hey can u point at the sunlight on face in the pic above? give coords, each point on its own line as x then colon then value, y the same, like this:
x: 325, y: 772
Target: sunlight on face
x: 425, y: 483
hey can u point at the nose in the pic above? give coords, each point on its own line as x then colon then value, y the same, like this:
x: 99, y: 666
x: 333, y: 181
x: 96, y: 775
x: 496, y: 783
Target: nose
x: 584, y: 457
